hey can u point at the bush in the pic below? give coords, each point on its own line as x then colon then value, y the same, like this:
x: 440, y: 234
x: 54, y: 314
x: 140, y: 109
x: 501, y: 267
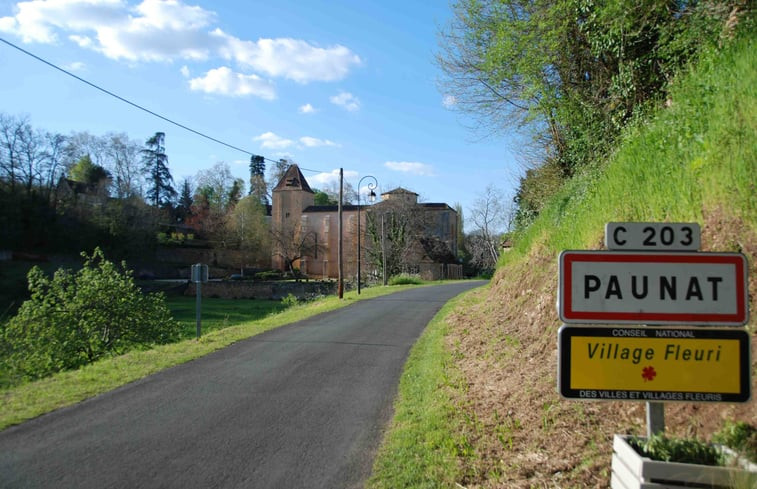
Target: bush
x: 405, y: 279
x: 76, y: 318
x: 740, y: 437
x: 269, y: 275
x: 659, y: 447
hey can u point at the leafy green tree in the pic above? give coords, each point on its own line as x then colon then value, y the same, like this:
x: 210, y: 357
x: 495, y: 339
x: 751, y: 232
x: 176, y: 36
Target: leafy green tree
x: 322, y: 198
x: 571, y: 74
x: 75, y: 318
x: 247, y: 223
x: 160, y: 189
x: 87, y: 172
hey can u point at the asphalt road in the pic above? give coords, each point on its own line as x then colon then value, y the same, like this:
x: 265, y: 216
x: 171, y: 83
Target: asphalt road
x: 302, y: 406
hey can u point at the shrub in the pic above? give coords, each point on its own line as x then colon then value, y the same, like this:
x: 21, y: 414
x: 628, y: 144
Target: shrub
x: 740, y: 437
x: 290, y: 300
x: 659, y: 447
x: 405, y: 279
x: 78, y: 317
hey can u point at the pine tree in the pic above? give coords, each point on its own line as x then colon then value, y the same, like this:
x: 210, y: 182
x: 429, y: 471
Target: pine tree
x: 184, y: 208
x: 155, y: 161
x: 257, y: 179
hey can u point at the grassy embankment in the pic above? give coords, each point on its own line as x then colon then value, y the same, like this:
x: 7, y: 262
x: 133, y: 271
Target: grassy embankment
x: 487, y: 414
x: 224, y: 322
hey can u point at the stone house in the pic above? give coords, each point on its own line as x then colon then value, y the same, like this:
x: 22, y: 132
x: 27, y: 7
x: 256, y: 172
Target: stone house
x: 308, y: 235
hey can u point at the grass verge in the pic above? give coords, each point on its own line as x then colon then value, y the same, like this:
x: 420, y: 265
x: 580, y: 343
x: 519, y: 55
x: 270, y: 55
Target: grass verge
x: 420, y: 449
x: 26, y: 401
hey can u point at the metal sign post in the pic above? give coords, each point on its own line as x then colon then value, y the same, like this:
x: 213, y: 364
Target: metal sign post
x: 199, y: 275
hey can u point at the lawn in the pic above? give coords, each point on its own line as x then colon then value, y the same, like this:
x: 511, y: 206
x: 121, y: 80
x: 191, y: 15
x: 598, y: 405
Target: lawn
x: 219, y: 313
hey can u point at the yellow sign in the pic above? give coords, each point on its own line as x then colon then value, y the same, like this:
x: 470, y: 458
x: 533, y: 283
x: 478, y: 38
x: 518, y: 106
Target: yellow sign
x: 654, y: 364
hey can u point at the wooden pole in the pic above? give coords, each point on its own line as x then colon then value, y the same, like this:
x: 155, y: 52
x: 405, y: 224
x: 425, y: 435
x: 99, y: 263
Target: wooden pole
x: 340, y: 283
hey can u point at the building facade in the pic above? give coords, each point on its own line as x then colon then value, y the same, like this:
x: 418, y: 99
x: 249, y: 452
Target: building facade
x: 306, y: 236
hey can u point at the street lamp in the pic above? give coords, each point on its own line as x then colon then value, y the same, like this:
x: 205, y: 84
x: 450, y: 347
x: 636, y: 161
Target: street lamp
x: 372, y: 197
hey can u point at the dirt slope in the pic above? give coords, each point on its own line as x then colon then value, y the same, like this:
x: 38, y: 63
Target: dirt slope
x: 521, y: 433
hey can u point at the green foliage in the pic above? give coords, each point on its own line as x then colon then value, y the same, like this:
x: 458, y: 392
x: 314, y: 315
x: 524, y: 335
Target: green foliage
x: 269, y: 275
x: 405, y: 279
x: 572, y: 74
x: 694, y: 156
x: 290, y: 300
x: 659, y: 447
x: 76, y: 318
x: 740, y: 437
x: 322, y: 198
x: 86, y: 171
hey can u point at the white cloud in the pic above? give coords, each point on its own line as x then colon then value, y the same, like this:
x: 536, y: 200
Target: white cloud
x: 325, y: 179
x: 315, y: 142
x: 154, y: 30
x: 411, y: 167
x: 76, y: 66
x: 167, y: 30
x: 224, y: 81
x: 307, y: 109
x: 184, y: 70
x: 270, y: 140
x: 449, y: 101
x: 293, y: 59
x: 346, y: 100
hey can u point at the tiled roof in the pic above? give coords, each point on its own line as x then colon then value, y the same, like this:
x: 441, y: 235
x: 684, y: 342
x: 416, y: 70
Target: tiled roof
x: 293, y: 179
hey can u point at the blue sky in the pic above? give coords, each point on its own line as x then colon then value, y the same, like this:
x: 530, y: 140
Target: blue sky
x: 328, y: 84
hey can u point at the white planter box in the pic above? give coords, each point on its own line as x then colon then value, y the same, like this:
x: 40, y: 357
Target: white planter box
x: 632, y: 471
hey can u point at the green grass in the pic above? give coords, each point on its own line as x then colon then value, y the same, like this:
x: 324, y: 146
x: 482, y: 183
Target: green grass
x: 696, y: 155
x: 421, y: 450
x: 32, y: 399
x: 219, y: 313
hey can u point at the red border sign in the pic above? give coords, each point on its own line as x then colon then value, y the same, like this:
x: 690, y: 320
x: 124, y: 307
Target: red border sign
x: 611, y: 287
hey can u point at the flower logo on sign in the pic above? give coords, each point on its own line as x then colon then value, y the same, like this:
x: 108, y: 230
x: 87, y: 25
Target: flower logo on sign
x: 648, y: 373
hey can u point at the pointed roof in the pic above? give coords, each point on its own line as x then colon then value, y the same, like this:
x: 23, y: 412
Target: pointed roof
x: 293, y: 179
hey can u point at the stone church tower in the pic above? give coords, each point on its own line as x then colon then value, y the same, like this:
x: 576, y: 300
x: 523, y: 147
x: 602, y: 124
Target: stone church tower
x: 290, y: 197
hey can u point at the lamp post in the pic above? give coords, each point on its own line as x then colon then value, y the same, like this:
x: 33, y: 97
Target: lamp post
x: 372, y: 197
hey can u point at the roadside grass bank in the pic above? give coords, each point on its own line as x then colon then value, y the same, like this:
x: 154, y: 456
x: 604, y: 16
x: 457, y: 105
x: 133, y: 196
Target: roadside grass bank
x: 690, y: 159
x: 26, y: 401
x: 694, y: 160
x: 421, y: 449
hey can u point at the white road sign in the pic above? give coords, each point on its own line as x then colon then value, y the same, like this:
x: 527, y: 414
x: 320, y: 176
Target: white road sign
x: 652, y: 236
x: 611, y: 287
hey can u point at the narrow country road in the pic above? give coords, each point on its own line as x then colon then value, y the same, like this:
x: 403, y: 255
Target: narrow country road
x: 302, y: 406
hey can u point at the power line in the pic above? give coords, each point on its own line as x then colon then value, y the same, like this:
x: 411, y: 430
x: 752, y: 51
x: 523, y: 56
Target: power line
x: 140, y: 107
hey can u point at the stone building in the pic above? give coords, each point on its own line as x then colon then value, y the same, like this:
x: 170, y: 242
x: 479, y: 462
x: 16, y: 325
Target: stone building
x: 306, y: 236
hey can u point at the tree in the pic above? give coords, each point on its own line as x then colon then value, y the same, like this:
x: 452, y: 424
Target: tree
x: 291, y: 242
x: 570, y: 74
x: 258, y: 187
x: 85, y: 171
x: 76, y: 318
x: 322, y: 198
x: 160, y: 189
x: 123, y: 162
x: 247, y: 221
x: 491, y: 218
x: 393, y: 229
x: 184, y: 207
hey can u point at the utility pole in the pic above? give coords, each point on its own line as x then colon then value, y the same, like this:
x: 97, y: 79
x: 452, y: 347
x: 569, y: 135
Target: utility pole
x: 340, y: 283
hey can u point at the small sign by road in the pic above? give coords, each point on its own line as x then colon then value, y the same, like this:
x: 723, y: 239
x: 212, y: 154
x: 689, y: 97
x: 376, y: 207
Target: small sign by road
x: 654, y: 364
x: 652, y: 236
x: 659, y: 288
